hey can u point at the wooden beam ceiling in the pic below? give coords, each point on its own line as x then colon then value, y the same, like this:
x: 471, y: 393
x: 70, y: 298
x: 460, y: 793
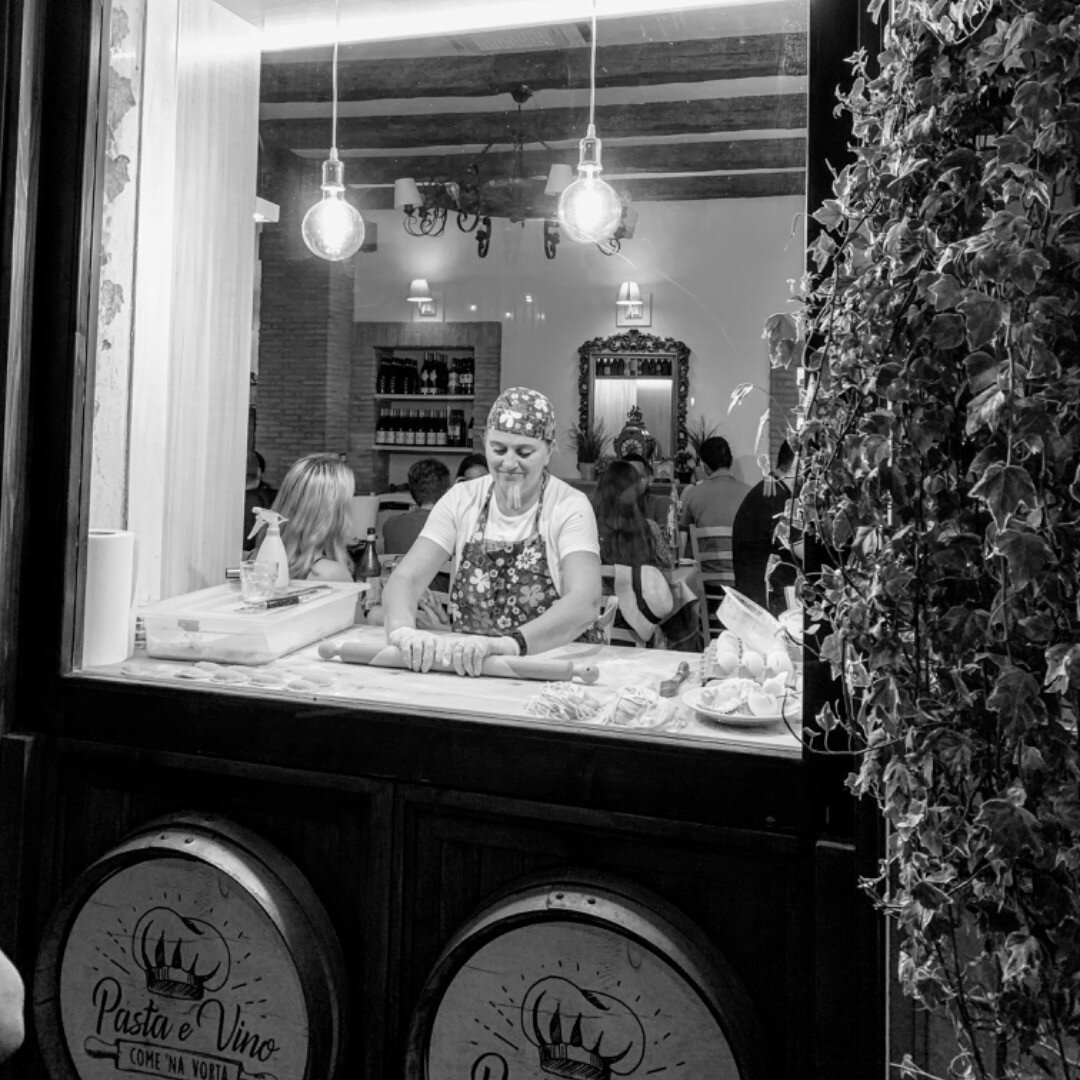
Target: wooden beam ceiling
x: 652, y: 118
x: 644, y: 64
x: 737, y: 155
x: 530, y: 201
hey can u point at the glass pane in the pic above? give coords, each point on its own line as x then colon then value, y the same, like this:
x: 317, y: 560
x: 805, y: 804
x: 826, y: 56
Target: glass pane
x: 220, y: 333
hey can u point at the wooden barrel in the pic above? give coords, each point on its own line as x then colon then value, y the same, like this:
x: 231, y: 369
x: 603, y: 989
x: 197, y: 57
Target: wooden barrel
x: 194, y: 950
x: 585, y: 976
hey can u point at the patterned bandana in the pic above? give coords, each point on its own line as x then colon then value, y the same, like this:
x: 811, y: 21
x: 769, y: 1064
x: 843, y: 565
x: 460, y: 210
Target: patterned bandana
x: 521, y: 411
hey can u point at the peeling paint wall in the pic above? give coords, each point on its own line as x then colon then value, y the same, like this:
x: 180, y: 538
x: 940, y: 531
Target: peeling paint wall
x: 112, y: 376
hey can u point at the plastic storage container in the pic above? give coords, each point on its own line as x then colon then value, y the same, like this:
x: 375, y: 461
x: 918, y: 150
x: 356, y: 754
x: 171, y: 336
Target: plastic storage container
x: 213, y: 624
x: 749, y: 621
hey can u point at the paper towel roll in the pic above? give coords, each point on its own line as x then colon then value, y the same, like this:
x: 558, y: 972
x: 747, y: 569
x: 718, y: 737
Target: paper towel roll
x: 108, y: 621
x: 363, y: 510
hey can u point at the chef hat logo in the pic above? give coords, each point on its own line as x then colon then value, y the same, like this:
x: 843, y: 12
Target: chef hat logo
x: 181, y: 957
x: 581, y: 1034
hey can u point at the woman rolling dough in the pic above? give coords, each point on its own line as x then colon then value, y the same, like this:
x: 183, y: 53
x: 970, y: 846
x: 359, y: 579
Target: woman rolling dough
x: 524, y: 544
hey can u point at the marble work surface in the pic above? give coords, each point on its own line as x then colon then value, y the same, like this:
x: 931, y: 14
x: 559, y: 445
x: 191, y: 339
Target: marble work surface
x: 304, y: 674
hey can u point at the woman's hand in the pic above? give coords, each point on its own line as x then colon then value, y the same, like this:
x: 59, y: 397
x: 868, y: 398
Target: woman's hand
x: 466, y: 655
x: 419, y: 648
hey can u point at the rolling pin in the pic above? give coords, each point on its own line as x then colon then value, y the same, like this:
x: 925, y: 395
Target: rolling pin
x: 500, y: 667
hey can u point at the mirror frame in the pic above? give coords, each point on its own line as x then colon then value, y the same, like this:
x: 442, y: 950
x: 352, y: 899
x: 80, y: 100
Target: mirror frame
x: 634, y: 342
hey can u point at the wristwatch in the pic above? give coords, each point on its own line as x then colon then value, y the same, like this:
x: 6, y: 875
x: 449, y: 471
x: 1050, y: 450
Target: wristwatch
x: 519, y: 638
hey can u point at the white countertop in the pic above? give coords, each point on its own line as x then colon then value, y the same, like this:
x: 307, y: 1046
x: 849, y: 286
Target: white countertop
x: 306, y: 675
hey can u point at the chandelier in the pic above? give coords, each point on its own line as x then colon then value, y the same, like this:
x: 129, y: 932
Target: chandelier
x: 470, y: 200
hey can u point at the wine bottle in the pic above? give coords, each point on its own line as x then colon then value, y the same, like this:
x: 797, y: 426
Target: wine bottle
x: 371, y: 570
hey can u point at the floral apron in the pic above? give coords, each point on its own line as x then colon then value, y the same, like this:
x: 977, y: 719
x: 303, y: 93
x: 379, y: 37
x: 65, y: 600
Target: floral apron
x: 500, y: 586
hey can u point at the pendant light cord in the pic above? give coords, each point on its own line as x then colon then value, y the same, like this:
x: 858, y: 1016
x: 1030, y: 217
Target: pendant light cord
x: 333, y: 76
x: 592, y: 68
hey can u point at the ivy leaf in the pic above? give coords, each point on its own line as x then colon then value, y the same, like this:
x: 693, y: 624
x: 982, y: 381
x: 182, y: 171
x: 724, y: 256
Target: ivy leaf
x: 738, y: 394
x: 1004, y: 488
x: 1021, y: 955
x: 829, y: 214
x: 982, y: 316
x: 947, y: 331
x: 982, y: 370
x: 1060, y: 659
x: 1026, y: 553
x: 1016, y: 696
x: 946, y: 291
x: 984, y: 408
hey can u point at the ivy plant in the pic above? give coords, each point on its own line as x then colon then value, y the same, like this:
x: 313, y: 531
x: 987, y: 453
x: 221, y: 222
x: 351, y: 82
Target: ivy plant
x: 939, y: 467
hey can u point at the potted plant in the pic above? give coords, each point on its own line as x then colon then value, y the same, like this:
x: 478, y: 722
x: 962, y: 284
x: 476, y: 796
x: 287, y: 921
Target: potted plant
x: 589, y: 442
x: 938, y: 471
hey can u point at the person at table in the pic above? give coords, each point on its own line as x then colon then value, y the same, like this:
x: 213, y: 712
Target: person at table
x: 525, y: 547
x: 314, y: 498
x: 257, y: 492
x: 752, y: 541
x: 428, y: 480
x: 714, y: 500
x: 627, y: 534
x: 656, y: 506
x: 470, y: 467
x: 629, y: 538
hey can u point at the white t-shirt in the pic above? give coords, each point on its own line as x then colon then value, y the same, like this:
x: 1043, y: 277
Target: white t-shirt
x: 567, y: 522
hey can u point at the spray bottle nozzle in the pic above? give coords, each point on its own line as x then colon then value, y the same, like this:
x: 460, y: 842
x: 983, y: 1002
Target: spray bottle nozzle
x: 270, y: 518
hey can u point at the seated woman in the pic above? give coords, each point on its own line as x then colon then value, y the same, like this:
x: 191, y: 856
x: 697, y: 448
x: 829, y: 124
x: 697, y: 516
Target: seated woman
x: 526, y: 550
x: 314, y: 498
x: 627, y: 535
x: 471, y: 467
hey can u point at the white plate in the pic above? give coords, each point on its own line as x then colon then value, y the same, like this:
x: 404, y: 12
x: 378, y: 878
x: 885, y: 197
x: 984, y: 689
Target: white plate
x: 692, y: 699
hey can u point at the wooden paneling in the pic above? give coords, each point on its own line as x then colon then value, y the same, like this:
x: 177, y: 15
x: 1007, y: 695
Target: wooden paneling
x: 335, y: 831
x: 368, y: 77
x: 749, y: 892
x: 211, y: 287
x: 650, y: 118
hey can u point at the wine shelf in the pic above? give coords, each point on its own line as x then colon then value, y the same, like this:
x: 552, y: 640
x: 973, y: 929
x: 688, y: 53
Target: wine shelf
x: 427, y: 451
x: 425, y: 397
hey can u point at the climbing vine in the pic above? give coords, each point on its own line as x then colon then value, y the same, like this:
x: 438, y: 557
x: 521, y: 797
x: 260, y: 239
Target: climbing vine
x: 938, y: 449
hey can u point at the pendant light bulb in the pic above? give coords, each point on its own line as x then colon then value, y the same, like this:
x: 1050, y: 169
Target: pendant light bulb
x: 589, y: 208
x: 333, y: 228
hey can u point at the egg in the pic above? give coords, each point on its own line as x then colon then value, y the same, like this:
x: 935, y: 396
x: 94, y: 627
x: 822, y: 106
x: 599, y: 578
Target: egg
x: 777, y: 662
x: 775, y: 685
x: 727, y: 662
x: 762, y: 704
x: 753, y: 663
x: 728, y: 640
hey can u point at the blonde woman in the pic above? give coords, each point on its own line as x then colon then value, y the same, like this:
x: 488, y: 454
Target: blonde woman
x: 314, y: 497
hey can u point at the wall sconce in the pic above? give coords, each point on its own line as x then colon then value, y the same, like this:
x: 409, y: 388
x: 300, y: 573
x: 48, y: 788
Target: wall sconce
x: 427, y: 305
x: 633, y: 307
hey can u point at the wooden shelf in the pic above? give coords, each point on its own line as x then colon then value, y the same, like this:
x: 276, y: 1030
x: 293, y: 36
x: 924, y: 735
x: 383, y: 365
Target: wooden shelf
x: 430, y: 451
x: 425, y: 397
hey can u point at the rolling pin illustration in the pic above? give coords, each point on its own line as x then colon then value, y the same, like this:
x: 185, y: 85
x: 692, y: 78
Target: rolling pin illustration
x: 169, y: 1061
x: 500, y: 667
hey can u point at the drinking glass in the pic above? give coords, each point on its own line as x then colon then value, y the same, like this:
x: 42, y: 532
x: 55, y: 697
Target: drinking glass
x: 257, y: 580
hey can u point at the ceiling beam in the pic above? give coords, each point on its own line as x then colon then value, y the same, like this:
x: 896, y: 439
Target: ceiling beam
x: 748, y: 185
x: 784, y: 111
x: 733, y: 154
x: 640, y: 64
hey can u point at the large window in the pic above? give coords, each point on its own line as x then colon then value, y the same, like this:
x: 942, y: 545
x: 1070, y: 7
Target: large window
x: 218, y: 332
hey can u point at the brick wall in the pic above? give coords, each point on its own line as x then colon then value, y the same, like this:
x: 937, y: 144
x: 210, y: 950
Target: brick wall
x: 305, y: 351
x: 783, y: 398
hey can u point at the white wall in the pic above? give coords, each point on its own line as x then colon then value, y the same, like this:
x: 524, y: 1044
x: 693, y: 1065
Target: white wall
x: 716, y: 271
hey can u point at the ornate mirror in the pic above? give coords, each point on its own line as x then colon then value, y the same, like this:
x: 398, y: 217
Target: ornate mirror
x: 632, y: 370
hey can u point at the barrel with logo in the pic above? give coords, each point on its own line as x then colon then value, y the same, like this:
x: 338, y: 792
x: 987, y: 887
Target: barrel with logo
x: 582, y: 975
x: 194, y: 950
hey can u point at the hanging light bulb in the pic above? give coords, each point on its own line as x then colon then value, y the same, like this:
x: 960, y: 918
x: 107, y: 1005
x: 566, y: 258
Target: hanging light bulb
x: 333, y: 228
x: 589, y: 209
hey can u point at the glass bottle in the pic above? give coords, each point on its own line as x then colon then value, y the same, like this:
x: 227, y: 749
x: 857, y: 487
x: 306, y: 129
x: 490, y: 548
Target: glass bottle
x: 370, y: 570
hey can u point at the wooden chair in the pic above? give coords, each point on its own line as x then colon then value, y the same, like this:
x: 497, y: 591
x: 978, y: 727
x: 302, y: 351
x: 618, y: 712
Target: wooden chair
x: 607, y: 617
x: 618, y: 635
x: 710, y: 548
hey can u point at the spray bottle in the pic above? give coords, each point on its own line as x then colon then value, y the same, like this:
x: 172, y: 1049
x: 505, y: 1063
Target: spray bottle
x: 272, y: 550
